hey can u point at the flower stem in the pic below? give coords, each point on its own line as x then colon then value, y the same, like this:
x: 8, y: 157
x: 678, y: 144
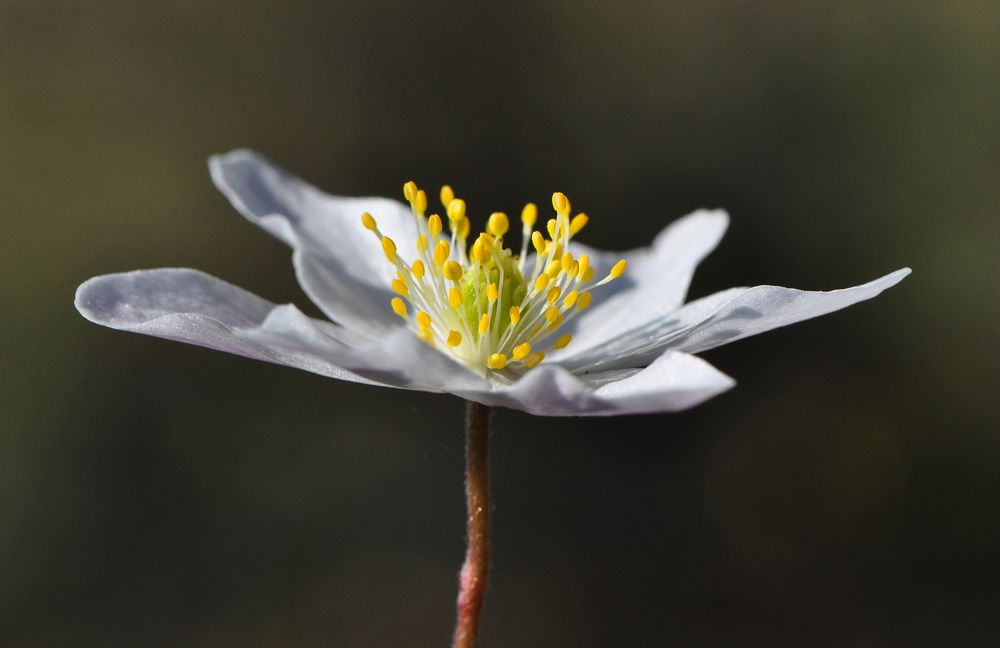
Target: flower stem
x: 472, y: 578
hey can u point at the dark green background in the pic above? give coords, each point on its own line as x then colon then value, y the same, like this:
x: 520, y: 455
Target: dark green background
x: 846, y: 493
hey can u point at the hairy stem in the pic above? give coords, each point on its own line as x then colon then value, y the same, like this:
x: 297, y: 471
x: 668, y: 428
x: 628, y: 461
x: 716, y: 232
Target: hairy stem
x: 472, y: 579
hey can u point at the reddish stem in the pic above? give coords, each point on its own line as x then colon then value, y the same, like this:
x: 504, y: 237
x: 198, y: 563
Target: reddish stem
x: 472, y: 579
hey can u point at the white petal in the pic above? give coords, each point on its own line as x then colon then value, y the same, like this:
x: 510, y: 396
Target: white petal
x: 193, y: 307
x: 674, y: 382
x: 726, y: 317
x: 654, y: 284
x: 339, y: 264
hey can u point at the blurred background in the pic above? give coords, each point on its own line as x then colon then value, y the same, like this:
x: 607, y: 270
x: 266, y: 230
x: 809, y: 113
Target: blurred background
x: 846, y: 493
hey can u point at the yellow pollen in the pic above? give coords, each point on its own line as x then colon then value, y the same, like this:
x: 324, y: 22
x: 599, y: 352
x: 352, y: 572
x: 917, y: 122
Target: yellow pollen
x: 551, y: 313
x: 496, y: 361
x: 566, y: 262
x: 368, y: 222
x: 398, y: 306
x: 463, y: 228
x: 484, y: 323
x: 541, y: 282
x: 452, y: 270
x: 423, y: 320
x: 570, y: 299
x: 422, y: 242
x: 420, y: 203
x: 587, y: 275
x: 410, y: 191
x: 534, y: 359
x: 521, y: 352
x: 562, y: 341
x: 578, y: 223
x: 455, y: 297
x: 456, y: 209
x: 553, y: 295
x: 454, y: 338
x: 434, y: 225
x: 550, y: 227
x: 441, y: 251
x: 583, y: 300
x: 447, y: 195
x: 573, y: 269
x: 552, y: 269
x: 529, y: 214
x: 538, y: 241
x: 389, y: 248
x: 498, y: 224
x: 584, y: 263
x: 515, y: 314
x: 560, y: 203
x: 400, y: 287
x: 618, y: 269
x: 418, y: 269
x: 492, y: 293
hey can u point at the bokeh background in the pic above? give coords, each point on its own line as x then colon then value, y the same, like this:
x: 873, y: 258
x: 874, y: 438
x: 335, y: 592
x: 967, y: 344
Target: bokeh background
x: 846, y: 493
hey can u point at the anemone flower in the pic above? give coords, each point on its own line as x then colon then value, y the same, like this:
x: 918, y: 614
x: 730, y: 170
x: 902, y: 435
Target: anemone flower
x: 554, y: 328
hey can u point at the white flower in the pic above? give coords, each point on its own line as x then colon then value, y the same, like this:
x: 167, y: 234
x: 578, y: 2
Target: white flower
x: 630, y: 350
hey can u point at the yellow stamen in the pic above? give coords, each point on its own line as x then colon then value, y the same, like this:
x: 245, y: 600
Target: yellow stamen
x: 441, y: 251
x: 562, y: 341
x: 521, y: 351
x: 418, y: 269
x: 398, y: 306
x: 496, y: 361
x: 529, y: 214
x: 534, y: 359
x: 498, y: 224
x: 584, y: 264
x: 410, y: 191
x: 434, y: 225
x: 423, y: 320
x: 550, y: 227
x: 464, y: 226
x: 456, y: 209
x: 578, y: 223
x: 586, y: 276
x: 538, y: 241
x: 484, y: 323
x: 541, y: 282
x: 570, y: 299
x: 453, y: 270
x: 454, y: 338
x: 492, y: 293
x: 553, y: 295
x: 618, y: 269
x: 515, y: 314
x: 560, y: 203
x: 583, y: 300
x: 455, y: 297
x: 421, y: 242
x: 420, y: 202
x: 551, y: 313
x: 389, y: 248
x: 400, y: 287
x: 447, y: 195
x: 368, y: 222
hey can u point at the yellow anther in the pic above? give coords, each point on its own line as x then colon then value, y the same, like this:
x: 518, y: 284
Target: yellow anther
x: 418, y: 269
x: 541, y: 282
x: 538, y: 241
x: 482, y: 248
x: 551, y: 313
x: 553, y: 295
x: 410, y: 191
x: 515, y: 314
x: 521, y: 352
x: 566, y: 262
x: 584, y: 263
x: 550, y: 227
x: 426, y: 336
x: 456, y: 209
x: 534, y: 359
x: 555, y: 323
x: 529, y: 214
x: 434, y: 225
x: 398, y: 306
x: 389, y: 248
x: 587, y: 275
x: 454, y: 338
x: 455, y: 297
x: 570, y: 299
x: 583, y: 300
x: 492, y: 293
x: 496, y: 361
x: 573, y: 269
x: 464, y: 226
x: 484, y: 323
x: 560, y: 203
x: 553, y: 268
x: 400, y: 287
x: 420, y: 202
x: 423, y: 320
x: 562, y: 341
x: 578, y: 223
x: 422, y: 242
x: 618, y: 269
x: 441, y: 251
x: 498, y: 224
x: 452, y: 270
x: 447, y: 195
x: 368, y: 222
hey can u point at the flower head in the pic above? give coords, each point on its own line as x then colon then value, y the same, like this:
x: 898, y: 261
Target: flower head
x: 417, y: 301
